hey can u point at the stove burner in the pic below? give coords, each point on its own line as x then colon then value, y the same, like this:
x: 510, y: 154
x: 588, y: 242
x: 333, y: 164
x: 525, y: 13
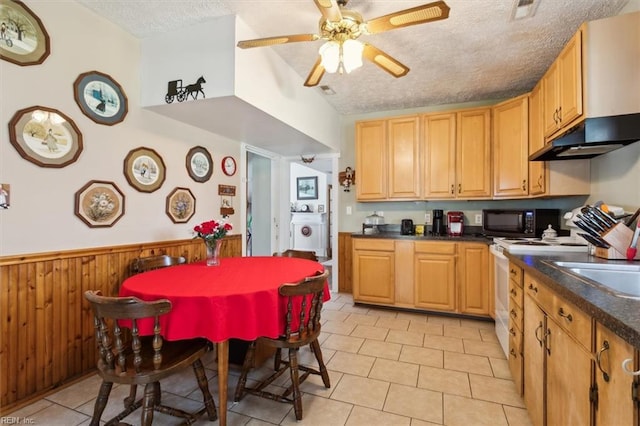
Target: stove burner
x: 530, y: 243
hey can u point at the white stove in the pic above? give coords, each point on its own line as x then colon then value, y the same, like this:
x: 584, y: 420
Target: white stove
x: 537, y: 245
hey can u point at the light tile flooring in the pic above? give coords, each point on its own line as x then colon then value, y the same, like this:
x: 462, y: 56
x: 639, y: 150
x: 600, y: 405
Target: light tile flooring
x: 386, y: 368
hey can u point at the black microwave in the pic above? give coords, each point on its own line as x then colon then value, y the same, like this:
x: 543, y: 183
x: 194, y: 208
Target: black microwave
x: 527, y: 223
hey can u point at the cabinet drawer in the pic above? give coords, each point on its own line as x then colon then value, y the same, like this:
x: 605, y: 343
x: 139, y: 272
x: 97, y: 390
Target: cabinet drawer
x: 516, y: 360
x: 539, y: 292
x: 434, y: 247
x: 369, y: 244
x: 515, y: 274
x: 516, y: 293
x: 516, y: 317
x: 573, y: 320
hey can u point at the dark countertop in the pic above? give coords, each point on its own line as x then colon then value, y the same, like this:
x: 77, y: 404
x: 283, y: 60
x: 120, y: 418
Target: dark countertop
x: 470, y: 238
x: 620, y: 314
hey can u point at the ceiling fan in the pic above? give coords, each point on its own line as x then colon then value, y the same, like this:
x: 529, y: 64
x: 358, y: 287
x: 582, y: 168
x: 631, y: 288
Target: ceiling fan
x: 340, y: 27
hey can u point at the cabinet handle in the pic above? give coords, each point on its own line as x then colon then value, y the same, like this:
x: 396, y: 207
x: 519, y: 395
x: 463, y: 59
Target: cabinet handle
x: 555, y: 116
x: 535, y: 333
x: 540, y: 181
x: 524, y: 184
x: 627, y: 367
x: 605, y: 347
x: 512, y: 332
x: 547, y: 341
x: 452, y: 190
x: 513, y: 314
x: 459, y: 188
x: 532, y: 288
x: 513, y: 292
x: 560, y: 114
x: 512, y: 352
x: 567, y: 317
x: 512, y: 271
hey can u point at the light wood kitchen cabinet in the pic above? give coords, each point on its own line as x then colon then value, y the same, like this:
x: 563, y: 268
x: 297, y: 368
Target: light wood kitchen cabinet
x: 456, y: 150
x: 388, y: 159
x: 557, y: 364
x: 439, y: 155
x: 473, y: 153
x: 537, y: 169
x: 435, y: 276
x: 404, y: 157
x: 371, y: 159
x: 511, y: 148
x: 516, y: 326
x: 373, y: 270
x: 473, y: 278
x: 563, y: 97
x: 614, y: 403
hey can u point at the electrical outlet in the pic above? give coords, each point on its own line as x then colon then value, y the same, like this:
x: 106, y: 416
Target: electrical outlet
x: 478, y: 219
x: 349, y: 210
x: 427, y: 218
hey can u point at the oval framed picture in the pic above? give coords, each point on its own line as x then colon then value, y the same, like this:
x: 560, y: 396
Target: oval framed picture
x: 144, y: 169
x: 45, y: 136
x: 23, y: 38
x: 100, y: 98
x: 181, y: 205
x: 199, y: 163
x: 99, y: 204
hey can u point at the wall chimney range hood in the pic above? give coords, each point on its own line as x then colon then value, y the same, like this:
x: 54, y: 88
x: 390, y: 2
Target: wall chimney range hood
x: 611, y: 88
x: 592, y: 137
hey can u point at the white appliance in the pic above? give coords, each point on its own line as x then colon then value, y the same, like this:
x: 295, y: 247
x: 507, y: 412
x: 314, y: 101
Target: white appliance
x: 309, y: 232
x: 501, y: 271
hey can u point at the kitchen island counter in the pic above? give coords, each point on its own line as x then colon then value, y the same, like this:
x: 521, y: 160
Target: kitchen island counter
x: 620, y: 314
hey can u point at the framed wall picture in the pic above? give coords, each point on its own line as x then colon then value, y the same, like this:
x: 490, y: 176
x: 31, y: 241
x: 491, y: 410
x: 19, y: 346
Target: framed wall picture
x: 45, y: 136
x: 181, y: 205
x: 307, y: 188
x: 199, y: 164
x: 144, y: 169
x: 100, y: 98
x: 99, y: 204
x: 23, y: 38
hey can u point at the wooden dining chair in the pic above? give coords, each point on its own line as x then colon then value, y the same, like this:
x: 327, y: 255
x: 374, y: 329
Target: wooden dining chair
x: 143, y: 264
x: 303, y: 254
x: 132, y: 359
x: 304, y: 304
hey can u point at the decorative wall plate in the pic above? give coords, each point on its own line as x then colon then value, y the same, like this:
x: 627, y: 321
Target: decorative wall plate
x: 99, y: 204
x: 100, y: 98
x: 144, y: 169
x: 199, y: 164
x: 45, y: 136
x: 23, y: 38
x: 181, y: 205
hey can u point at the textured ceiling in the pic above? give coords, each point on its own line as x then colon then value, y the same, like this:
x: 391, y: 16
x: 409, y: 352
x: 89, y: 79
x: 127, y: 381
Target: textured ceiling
x: 478, y: 53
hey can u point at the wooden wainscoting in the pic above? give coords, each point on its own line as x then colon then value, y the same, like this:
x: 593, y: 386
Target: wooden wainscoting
x: 345, y: 262
x: 46, y: 334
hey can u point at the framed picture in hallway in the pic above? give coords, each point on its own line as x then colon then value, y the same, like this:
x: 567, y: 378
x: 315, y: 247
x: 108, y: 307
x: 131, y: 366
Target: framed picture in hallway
x: 307, y: 188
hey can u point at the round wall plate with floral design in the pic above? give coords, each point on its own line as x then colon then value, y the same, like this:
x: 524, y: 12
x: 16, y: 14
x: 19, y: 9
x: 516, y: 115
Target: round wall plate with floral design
x: 144, y: 169
x: 99, y: 204
x: 199, y: 164
x: 181, y: 205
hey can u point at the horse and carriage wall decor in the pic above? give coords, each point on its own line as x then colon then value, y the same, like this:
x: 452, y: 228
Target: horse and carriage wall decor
x: 175, y: 90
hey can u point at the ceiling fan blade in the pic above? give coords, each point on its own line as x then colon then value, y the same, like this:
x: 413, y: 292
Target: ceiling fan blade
x: 384, y: 61
x: 271, y: 41
x: 417, y: 15
x: 329, y: 9
x: 316, y: 74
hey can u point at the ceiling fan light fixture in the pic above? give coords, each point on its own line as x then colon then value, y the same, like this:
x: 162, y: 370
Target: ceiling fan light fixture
x: 341, y: 56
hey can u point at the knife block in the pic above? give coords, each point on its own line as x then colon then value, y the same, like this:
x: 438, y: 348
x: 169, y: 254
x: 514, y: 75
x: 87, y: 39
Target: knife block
x: 619, y: 238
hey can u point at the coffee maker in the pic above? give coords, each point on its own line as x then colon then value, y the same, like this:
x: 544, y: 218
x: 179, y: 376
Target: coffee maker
x: 455, y: 223
x: 437, y: 227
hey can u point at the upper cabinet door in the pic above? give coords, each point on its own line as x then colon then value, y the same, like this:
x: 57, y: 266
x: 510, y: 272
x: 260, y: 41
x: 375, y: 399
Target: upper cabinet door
x: 439, y: 155
x: 537, y: 169
x: 511, y: 147
x: 404, y: 157
x: 473, y: 154
x: 371, y: 160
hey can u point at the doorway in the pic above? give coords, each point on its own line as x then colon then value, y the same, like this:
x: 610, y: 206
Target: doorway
x: 258, y: 207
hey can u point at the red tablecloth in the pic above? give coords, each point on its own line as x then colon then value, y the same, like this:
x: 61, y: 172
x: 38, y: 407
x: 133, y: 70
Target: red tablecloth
x: 237, y: 299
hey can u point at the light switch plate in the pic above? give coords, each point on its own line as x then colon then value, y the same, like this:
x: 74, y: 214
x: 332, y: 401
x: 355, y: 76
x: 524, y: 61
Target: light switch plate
x: 427, y: 218
x: 478, y: 219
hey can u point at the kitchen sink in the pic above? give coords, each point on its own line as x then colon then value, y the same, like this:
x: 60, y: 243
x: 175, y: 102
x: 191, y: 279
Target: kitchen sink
x: 622, y: 280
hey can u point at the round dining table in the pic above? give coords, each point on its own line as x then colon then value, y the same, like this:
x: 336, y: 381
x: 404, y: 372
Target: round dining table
x: 237, y: 299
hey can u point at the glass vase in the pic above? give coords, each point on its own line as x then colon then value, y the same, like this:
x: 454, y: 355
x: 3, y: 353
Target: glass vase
x: 213, y: 252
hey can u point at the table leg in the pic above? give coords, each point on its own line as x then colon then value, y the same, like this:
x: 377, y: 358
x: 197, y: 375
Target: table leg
x: 223, y: 373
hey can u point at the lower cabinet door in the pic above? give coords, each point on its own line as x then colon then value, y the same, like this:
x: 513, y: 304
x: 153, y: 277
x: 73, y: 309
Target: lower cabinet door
x: 435, y: 281
x: 534, y: 355
x: 373, y: 276
x: 568, y: 379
